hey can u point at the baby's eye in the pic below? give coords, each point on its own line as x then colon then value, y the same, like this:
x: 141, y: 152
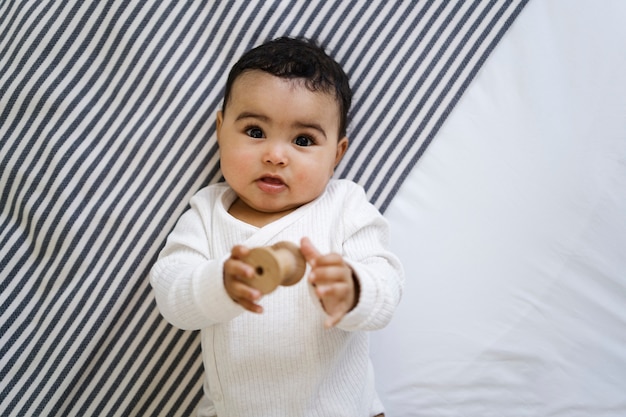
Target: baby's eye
x: 254, y: 132
x: 304, y: 141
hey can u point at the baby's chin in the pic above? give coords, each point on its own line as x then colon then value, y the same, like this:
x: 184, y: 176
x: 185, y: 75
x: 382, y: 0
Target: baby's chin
x: 262, y: 212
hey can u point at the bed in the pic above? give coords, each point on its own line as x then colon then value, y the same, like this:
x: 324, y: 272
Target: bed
x: 492, y: 135
x: 516, y: 255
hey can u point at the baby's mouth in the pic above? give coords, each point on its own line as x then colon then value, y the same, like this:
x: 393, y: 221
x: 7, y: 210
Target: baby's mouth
x: 272, y: 180
x: 271, y: 185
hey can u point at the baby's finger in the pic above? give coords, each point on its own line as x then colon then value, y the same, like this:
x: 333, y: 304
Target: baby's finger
x: 331, y: 259
x: 246, y: 296
x: 321, y: 275
x: 332, y: 321
x: 239, y: 252
x: 250, y: 306
x: 335, y: 292
x: 309, y: 251
x: 238, y: 268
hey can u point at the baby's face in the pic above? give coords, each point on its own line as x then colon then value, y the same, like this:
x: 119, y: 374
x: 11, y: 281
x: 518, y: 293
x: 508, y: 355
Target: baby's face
x: 278, y: 142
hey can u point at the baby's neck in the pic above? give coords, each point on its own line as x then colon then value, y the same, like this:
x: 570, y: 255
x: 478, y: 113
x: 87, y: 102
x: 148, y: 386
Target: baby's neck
x: 247, y: 214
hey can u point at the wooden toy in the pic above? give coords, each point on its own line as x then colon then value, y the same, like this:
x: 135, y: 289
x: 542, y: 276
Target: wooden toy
x: 279, y: 264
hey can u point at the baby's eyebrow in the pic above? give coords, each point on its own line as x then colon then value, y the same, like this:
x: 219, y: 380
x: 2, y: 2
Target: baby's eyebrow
x: 314, y: 126
x: 250, y: 115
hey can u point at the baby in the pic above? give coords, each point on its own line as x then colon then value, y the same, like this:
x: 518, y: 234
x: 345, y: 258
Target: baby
x: 301, y: 350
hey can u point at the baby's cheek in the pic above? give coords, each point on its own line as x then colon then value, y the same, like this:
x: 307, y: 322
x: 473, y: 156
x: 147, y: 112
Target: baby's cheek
x: 322, y: 169
x: 312, y: 181
x: 237, y: 161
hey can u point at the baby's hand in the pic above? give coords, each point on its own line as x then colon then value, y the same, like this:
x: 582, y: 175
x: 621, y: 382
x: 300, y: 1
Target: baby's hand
x: 334, y: 283
x: 235, y: 271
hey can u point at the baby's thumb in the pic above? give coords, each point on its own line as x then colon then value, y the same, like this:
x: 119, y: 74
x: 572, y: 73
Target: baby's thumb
x: 309, y: 251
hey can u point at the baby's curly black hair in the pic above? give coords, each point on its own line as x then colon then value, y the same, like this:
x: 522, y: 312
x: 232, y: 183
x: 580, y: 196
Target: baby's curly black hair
x: 297, y: 58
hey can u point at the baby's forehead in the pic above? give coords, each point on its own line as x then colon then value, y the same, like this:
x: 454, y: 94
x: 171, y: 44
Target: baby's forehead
x: 256, y: 76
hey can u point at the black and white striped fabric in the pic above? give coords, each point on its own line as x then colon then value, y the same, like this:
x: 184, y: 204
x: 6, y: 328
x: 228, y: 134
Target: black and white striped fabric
x: 107, y: 112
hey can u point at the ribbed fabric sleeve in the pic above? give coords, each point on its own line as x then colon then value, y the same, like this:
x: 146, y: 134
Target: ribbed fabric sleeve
x: 187, y: 278
x: 365, y: 249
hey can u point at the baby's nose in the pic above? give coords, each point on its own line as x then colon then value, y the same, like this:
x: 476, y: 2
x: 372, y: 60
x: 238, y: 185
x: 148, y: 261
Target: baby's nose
x: 276, y: 154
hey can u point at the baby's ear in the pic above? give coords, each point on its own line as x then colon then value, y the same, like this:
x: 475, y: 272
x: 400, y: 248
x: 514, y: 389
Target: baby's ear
x: 342, y: 147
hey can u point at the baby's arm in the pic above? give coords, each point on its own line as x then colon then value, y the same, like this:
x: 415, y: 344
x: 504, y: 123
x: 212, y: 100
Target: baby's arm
x: 187, y: 279
x: 335, y: 284
x: 364, y: 235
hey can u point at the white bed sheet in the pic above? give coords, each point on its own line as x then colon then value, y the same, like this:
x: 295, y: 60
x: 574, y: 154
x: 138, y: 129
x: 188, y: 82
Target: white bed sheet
x: 512, y: 231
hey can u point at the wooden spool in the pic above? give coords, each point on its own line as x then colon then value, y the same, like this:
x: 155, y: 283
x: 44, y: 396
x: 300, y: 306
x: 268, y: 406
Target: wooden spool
x: 279, y: 264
